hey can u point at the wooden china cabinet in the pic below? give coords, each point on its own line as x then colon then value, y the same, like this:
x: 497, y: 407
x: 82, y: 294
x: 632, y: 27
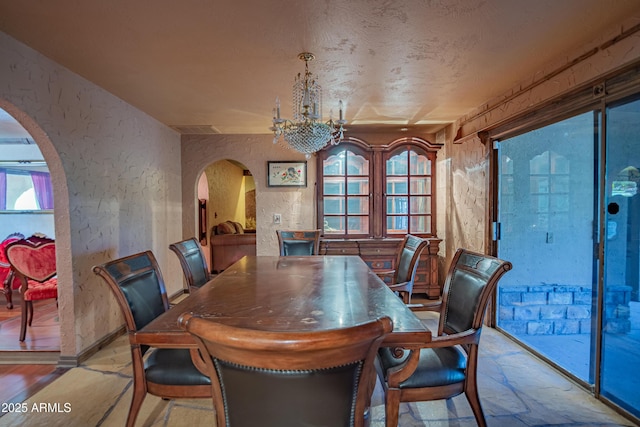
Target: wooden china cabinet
x: 371, y: 196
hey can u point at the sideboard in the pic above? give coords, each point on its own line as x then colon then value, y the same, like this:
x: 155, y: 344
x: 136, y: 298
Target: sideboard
x: 380, y: 255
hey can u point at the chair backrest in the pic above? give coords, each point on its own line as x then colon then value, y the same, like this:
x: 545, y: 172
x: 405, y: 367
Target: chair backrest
x: 471, y: 279
x: 33, y: 258
x: 137, y: 284
x: 408, y: 257
x: 289, y: 378
x: 5, y: 267
x: 193, y: 262
x: 299, y: 242
x: 4, y: 262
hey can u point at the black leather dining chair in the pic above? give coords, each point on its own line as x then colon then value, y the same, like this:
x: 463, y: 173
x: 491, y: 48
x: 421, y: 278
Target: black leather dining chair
x: 193, y: 262
x: 446, y: 366
x: 288, y: 379
x: 407, y: 258
x: 138, y: 286
x: 299, y: 242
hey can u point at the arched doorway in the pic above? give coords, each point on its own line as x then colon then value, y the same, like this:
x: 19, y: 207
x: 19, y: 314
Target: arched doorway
x: 33, y: 152
x: 230, y: 209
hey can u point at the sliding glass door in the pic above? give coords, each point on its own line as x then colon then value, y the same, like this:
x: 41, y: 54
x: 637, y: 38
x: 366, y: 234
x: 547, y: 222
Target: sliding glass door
x: 546, y: 213
x: 569, y: 221
x: 620, y: 366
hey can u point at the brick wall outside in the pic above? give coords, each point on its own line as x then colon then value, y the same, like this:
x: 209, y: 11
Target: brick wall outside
x: 560, y: 309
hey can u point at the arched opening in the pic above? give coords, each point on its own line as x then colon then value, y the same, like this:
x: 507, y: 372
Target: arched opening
x: 230, y: 214
x: 31, y: 179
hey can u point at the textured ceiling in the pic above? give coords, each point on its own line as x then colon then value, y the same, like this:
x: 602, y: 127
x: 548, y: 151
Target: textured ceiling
x: 221, y: 64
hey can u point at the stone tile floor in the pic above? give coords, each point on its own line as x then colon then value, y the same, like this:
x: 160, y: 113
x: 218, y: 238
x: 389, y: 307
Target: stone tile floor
x: 516, y: 389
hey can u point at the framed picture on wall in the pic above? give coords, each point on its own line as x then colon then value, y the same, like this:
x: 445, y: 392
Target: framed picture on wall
x: 287, y: 174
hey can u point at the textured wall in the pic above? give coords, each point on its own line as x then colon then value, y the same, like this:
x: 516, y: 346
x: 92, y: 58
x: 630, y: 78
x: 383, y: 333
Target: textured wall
x: 466, y: 175
x: 296, y: 205
x: 226, y: 193
x: 116, y: 180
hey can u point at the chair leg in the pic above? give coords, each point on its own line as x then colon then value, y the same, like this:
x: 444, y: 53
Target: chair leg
x: 474, y: 401
x: 30, y: 312
x: 23, y: 320
x: 406, y: 297
x: 8, y: 282
x: 392, y: 407
x: 139, y: 393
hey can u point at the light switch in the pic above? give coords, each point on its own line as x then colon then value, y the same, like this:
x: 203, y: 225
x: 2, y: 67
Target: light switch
x: 277, y: 219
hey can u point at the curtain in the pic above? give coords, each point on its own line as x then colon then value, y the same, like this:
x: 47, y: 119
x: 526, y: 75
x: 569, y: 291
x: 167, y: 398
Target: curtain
x: 43, y: 189
x: 3, y: 189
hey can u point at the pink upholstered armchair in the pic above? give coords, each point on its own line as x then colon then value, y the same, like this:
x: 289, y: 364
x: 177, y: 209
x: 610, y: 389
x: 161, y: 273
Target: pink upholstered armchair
x: 33, y: 261
x: 7, y: 278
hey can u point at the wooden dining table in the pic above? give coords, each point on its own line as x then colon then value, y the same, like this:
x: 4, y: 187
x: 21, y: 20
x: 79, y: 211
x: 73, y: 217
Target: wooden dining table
x: 307, y: 293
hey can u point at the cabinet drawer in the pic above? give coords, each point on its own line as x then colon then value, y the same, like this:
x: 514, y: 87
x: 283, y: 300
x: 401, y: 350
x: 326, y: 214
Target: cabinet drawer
x: 379, y: 264
x: 339, y: 251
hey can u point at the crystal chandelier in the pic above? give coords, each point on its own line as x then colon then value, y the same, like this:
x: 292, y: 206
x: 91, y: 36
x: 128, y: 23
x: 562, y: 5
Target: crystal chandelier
x: 306, y: 132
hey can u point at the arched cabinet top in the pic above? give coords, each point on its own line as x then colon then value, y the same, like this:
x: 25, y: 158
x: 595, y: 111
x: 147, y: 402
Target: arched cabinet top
x: 361, y: 146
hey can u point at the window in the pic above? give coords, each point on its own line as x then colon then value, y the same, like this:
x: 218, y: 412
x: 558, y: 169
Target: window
x: 377, y: 191
x: 25, y: 187
x: 409, y: 191
x: 346, y: 189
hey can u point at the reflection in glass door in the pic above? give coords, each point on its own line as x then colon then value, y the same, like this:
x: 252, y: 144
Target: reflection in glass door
x: 546, y: 213
x: 620, y: 365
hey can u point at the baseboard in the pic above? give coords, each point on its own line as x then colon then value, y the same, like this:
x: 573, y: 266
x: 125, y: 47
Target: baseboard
x: 29, y: 357
x: 74, y: 361
x: 176, y: 295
